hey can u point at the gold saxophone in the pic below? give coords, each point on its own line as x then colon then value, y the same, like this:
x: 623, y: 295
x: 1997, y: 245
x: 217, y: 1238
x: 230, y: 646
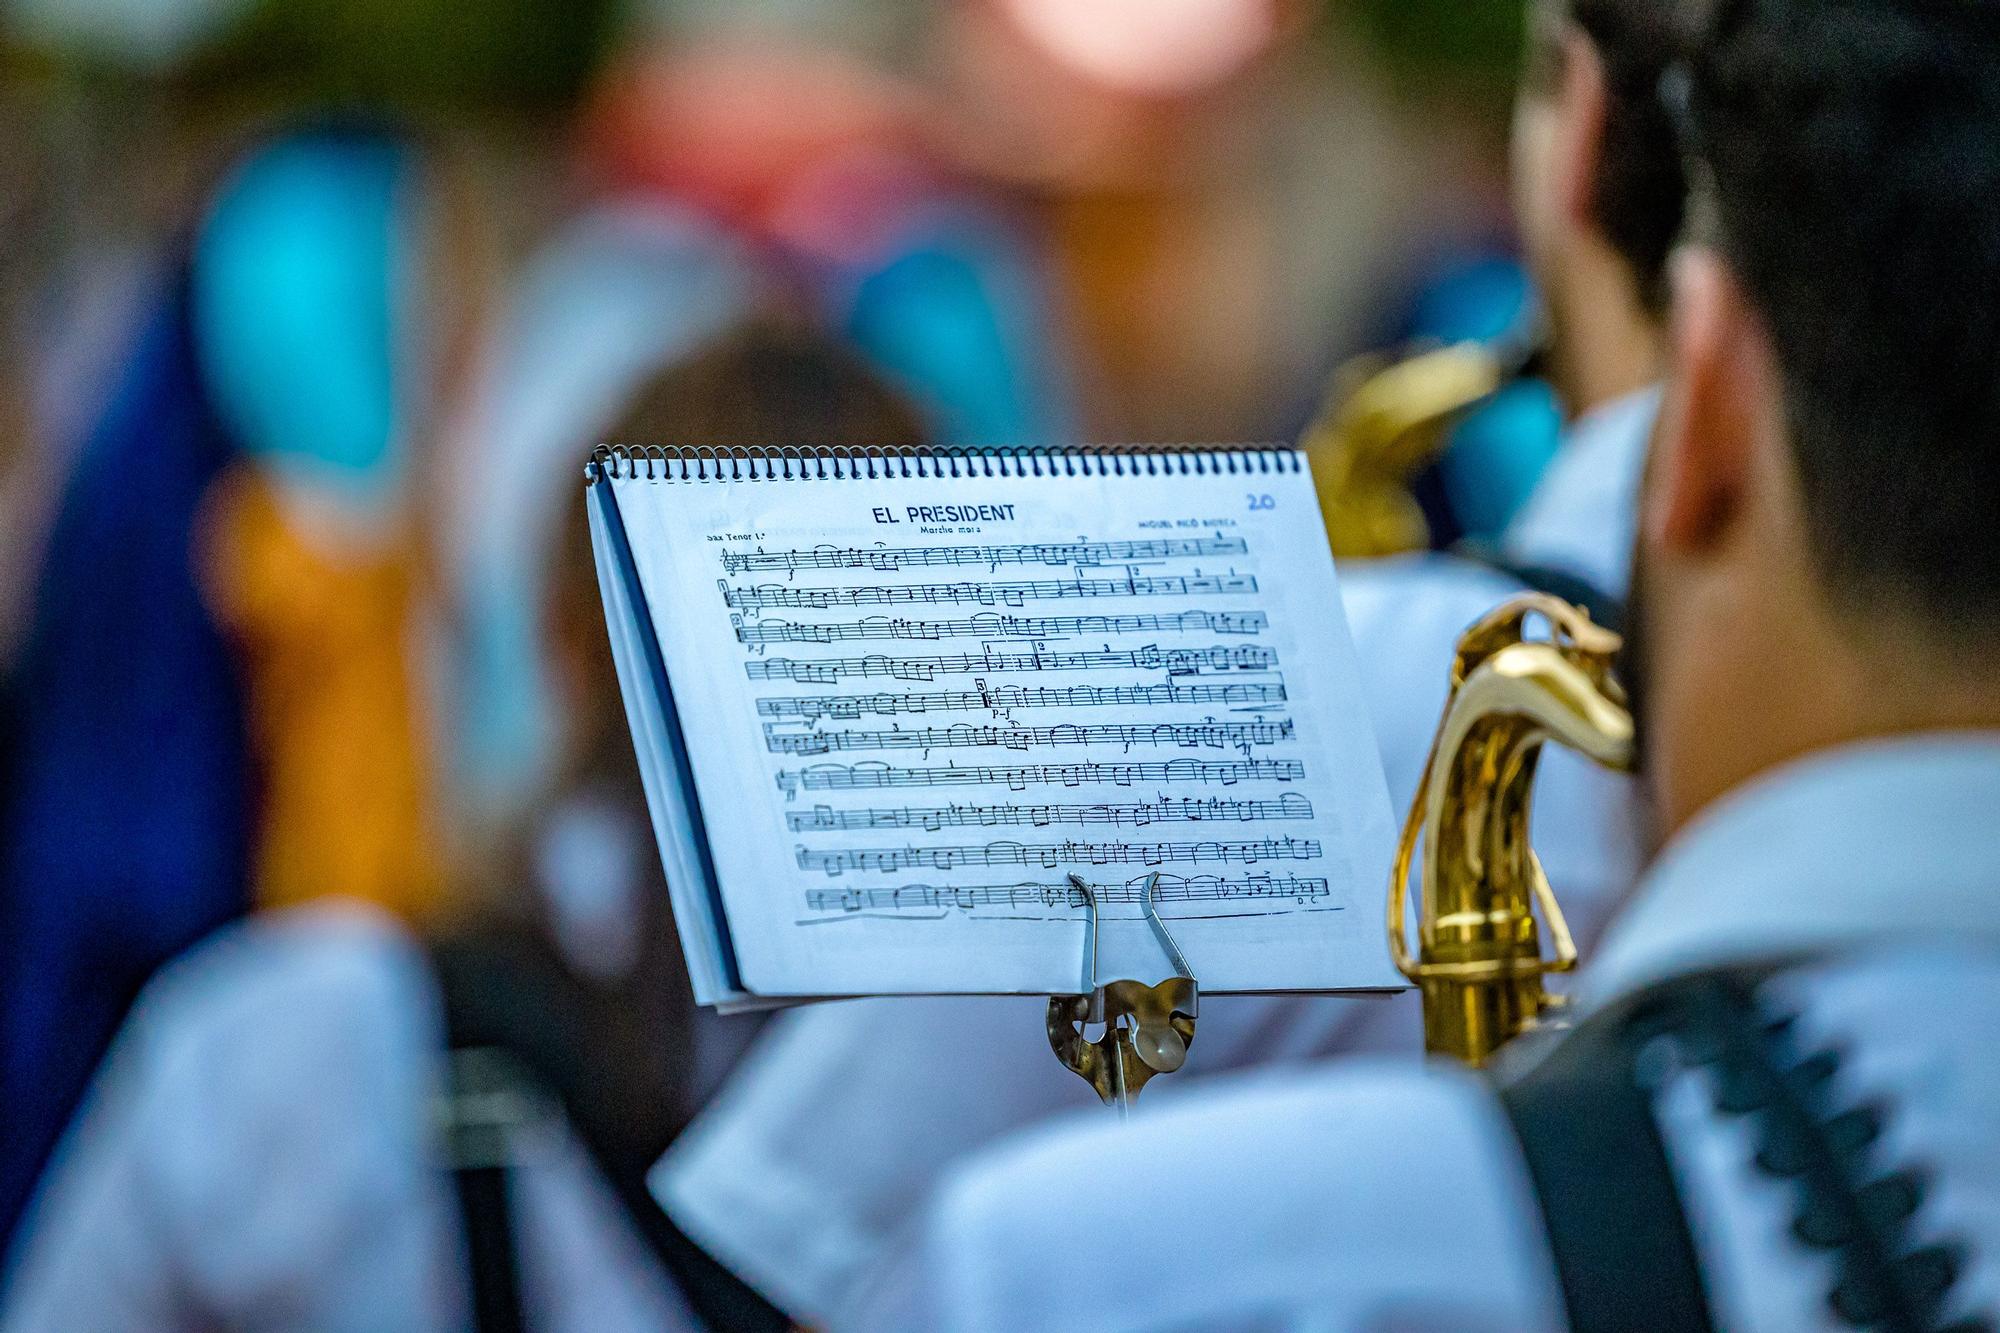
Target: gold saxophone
x: 1479, y: 959
x: 1385, y: 419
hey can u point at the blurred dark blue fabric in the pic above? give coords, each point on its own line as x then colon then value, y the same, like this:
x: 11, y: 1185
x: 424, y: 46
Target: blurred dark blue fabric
x: 126, y: 789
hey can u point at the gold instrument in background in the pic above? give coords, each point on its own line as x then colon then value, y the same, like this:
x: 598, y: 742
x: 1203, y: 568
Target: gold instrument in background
x: 1479, y: 957
x: 1382, y: 423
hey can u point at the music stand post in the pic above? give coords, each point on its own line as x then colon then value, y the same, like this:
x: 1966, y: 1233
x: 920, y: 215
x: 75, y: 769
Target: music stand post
x: 1147, y: 1029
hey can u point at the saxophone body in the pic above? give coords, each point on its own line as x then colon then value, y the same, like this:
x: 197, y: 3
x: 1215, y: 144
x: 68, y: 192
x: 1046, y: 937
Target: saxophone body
x: 1479, y: 957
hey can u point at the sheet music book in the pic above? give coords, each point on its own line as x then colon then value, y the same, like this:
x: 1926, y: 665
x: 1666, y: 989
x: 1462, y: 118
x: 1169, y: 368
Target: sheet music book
x: 884, y: 706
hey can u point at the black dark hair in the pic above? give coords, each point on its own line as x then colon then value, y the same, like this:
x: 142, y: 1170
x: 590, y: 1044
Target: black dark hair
x: 1640, y: 191
x: 1848, y: 168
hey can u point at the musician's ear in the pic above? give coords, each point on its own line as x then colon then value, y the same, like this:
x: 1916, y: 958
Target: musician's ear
x: 1558, y: 140
x: 1578, y: 149
x: 1722, y: 399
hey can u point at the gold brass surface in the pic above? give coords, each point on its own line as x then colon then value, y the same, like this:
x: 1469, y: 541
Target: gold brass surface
x: 1478, y: 958
x: 1382, y: 422
x: 1119, y: 1063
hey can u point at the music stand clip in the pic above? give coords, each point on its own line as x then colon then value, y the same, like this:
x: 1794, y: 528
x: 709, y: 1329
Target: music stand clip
x: 1147, y: 1029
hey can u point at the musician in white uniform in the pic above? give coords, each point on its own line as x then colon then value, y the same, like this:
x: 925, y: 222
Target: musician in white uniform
x: 845, y: 1113
x: 1777, y: 1108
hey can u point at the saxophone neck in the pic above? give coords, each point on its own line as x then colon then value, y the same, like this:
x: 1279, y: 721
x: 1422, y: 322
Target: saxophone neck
x: 1479, y: 956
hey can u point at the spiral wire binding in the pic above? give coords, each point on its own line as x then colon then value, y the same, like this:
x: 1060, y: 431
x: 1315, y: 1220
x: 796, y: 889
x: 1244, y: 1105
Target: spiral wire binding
x: 821, y: 463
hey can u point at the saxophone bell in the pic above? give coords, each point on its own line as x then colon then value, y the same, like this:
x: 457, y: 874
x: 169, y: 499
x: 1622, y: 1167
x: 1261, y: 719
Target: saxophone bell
x: 1387, y: 417
x: 1479, y: 959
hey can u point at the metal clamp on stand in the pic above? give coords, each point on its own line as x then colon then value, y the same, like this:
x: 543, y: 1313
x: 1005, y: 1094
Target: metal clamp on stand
x: 1147, y: 1029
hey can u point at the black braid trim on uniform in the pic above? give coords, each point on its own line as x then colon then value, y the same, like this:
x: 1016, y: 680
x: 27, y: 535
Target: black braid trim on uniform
x: 1844, y: 1209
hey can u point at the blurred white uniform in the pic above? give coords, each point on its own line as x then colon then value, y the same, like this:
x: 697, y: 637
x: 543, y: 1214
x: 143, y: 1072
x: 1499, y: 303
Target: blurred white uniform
x: 1374, y: 1195
x: 1583, y: 515
x: 260, y: 1153
x: 844, y: 1115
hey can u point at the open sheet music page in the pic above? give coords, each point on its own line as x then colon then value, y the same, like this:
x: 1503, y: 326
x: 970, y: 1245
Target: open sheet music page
x: 913, y: 706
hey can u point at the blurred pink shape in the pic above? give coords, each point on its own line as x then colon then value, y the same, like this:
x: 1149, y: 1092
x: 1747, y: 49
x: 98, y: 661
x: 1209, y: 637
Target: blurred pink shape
x: 731, y: 127
x: 1152, y: 47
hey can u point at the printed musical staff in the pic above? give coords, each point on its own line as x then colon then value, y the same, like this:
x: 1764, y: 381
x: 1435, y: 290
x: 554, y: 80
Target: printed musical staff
x: 1152, y: 657
x: 990, y: 626
x: 1019, y: 777
x: 1111, y: 686
x: 1188, y: 735
x: 1004, y: 593
x: 1165, y: 810
x: 1005, y: 698
x: 1051, y: 855
x: 1170, y: 889
x: 888, y: 559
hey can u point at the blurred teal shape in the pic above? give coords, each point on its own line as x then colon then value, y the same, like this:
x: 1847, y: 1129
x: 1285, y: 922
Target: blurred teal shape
x: 1498, y: 454
x: 300, y: 272
x: 957, y: 314
x: 1488, y: 299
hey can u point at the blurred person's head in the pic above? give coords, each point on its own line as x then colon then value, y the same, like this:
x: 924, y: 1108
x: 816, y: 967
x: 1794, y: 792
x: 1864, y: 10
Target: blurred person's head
x: 770, y: 383
x: 626, y: 287
x: 596, y: 891
x: 766, y: 382
x: 1598, y: 187
x: 1819, y: 557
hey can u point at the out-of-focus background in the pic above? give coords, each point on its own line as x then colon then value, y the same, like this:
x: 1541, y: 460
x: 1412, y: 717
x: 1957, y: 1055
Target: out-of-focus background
x: 311, y: 309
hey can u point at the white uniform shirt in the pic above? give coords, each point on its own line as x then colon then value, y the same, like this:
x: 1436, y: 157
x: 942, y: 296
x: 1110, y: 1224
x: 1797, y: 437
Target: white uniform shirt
x: 1365, y: 1196
x: 1595, y: 478
x: 259, y: 1153
x: 806, y: 1165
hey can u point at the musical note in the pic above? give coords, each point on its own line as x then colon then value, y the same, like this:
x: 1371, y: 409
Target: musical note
x: 872, y: 777
x: 991, y: 626
x: 1165, y: 810
x: 971, y: 897
x: 811, y: 708
x: 891, y: 558
x: 1051, y: 855
x: 767, y: 595
x: 1189, y: 735
x: 1174, y: 661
